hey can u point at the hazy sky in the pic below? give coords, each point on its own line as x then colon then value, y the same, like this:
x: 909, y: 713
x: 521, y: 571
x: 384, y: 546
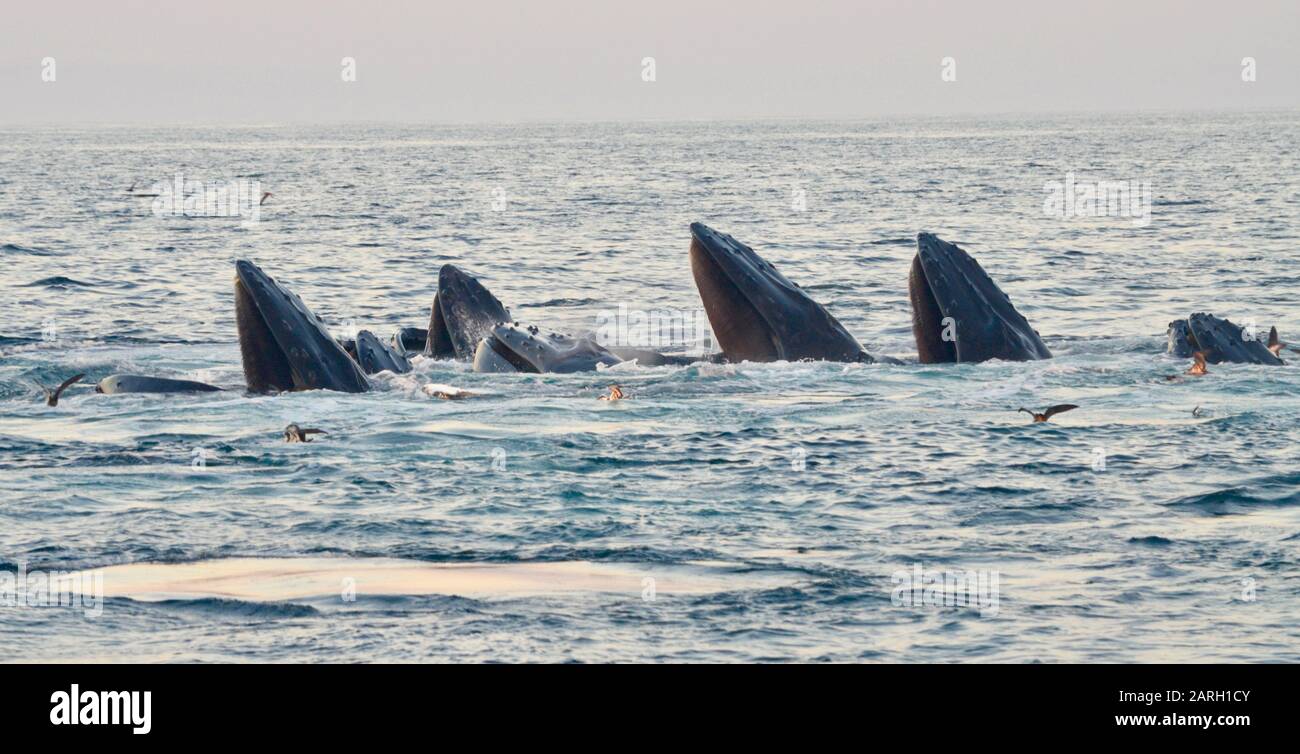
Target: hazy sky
x: 505, y: 60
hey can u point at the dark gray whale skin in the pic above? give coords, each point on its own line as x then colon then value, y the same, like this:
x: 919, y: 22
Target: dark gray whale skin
x: 509, y: 348
x: 1219, y: 339
x: 945, y: 282
x: 374, y: 355
x: 463, y: 313
x: 283, y: 344
x: 649, y: 357
x: 136, y: 383
x: 756, y: 313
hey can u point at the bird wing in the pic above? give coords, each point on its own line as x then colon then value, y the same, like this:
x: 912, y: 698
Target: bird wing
x: 1057, y: 409
x: 313, y: 432
x: 74, y: 378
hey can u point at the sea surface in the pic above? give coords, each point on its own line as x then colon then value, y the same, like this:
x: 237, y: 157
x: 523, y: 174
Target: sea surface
x: 722, y: 512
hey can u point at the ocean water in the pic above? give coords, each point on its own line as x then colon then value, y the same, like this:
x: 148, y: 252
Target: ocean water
x: 740, y: 512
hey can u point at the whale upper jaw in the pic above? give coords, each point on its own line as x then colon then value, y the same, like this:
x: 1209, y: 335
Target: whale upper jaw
x: 283, y: 344
x: 1219, y: 339
x: 464, y: 312
x: 959, y: 314
x: 756, y: 313
x: 509, y: 348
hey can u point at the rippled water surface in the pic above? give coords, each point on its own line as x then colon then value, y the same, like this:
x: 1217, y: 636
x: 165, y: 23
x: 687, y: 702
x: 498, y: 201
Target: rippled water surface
x: 1159, y: 521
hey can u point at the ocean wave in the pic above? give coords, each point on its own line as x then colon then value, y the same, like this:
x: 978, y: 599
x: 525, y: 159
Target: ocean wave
x: 1281, y: 490
x: 58, y: 281
x: 13, y: 248
x: 233, y: 609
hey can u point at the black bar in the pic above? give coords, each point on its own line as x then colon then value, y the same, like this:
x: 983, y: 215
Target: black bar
x: 229, y: 703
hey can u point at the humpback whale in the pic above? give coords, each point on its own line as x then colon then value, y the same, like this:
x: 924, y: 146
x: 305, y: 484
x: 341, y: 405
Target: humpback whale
x: 959, y: 314
x: 137, y: 383
x: 284, y: 346
x: 756, y: 313
x: 463, y: 313
x: 509, y: 348
x: 1220, y: 341
x: 374, y: 355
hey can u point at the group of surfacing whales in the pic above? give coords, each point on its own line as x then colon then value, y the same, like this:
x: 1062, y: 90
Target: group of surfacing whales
x: 958, y: 315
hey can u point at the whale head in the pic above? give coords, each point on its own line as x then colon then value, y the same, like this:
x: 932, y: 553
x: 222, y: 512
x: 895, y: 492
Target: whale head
x: 510, y: 348
x: 464, y: 312
x: 959, y: 314
x: 283, y: 344
x: 755, y: 312
x: 1219, y: 339
x: 374, y: 355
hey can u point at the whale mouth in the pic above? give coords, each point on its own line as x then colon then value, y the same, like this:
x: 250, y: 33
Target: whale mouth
x: 723, y: 276
x: 517, y: 360
x: 266, y: 365
x: 756, y: 313
x: 928, y: 327
x: 528, y: 349
x: 464, y: 312
x: 438, y: 342
x: 283, y: 344
x: 959, y: 314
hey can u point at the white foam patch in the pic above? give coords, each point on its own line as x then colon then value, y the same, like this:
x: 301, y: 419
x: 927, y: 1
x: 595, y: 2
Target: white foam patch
x: 441, y: 391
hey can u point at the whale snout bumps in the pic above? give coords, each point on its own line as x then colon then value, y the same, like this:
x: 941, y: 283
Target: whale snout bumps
x: 464, y: 312
x: 1221, y: 341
